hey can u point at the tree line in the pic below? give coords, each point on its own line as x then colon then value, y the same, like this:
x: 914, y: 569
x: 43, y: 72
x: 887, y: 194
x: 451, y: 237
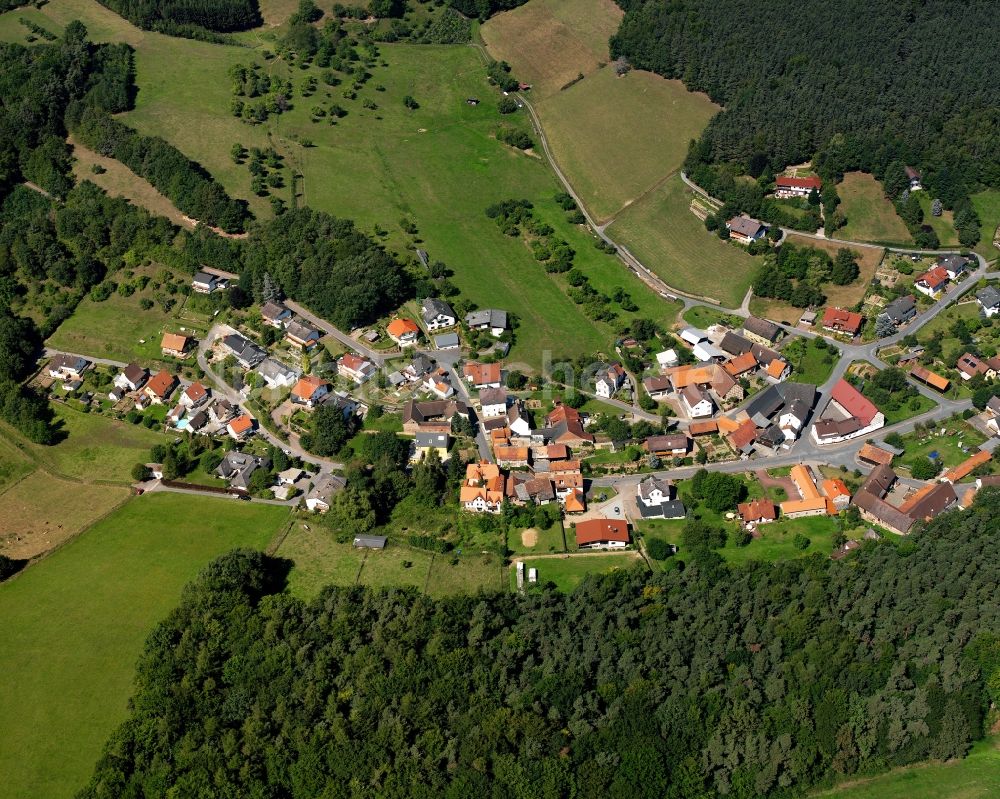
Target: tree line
x: 190, y: 18
x: 762, y: 680
x: 797, y: 82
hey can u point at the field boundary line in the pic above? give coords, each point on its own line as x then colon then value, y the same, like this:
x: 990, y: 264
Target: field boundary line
x: 279, y: 537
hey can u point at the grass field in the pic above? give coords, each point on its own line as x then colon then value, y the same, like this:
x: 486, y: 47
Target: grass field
x: 14, y: 465
x: 662, y: 233
x: 942, y: 225
x: 704, y: 316
x: 977, y: 776
x: 987, y: 205
x: 549, y: 43
x: 74, y: 624
x: 948, y: 446
x: 568, y: 572
x: 810, y: 363
x: 637, y: 130
x: 870, y: 216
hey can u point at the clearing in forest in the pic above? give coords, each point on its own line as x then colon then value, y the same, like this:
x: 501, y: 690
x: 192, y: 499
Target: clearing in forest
x: 870, y: 215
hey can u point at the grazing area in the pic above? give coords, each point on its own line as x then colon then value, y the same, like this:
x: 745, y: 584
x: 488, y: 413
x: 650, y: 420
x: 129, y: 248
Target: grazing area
x: 74, y: 624
x: 637, y: 132
x: 977, y: 776
x: 545, y: 687
x: 550, y: 43
x: 871, y: 216
x: 14, y: 465
x: 566, y: 573
x: 662, y: 232
x: 987, y: 205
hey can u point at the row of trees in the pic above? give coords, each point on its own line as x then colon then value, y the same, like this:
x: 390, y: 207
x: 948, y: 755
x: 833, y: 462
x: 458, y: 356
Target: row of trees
x: 797, y: 274
x: 761, y: 680
x: 192, y: 18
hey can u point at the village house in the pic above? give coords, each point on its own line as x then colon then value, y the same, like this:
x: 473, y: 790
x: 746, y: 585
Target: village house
x: 523, y: 488
x: 194, y: 395
x: 602, y: 534
x: 761, y: 331
x: 491, y: 319
x: 913, y: 176
x: 518, y: 420
x: 276, y: 374
x: 238, y: 467
x: 482, y: 375
x: 849, y: 414
x: 875, y: 456
x: 901, y: 310
x: 159, y: 387
x: 785, y: 187
x: 740, y: 437
x: 131, y: 378
x: 301, y: 336
x: 837, y: 320
x: 324, y: 488
x: 206, y: 283
x: 355, y: 368
x: 483, y: 490
x: 435, y: 416
x: 247, y: 354
x: 416, y: 369
x: 932, y: 282
x: 969, y: 366
x: 993, y: 415
x: 438, y: 382
x: 745, y: 229
x: 67, y: 367
x: 674, y: 445
x: 696, y: 401
x: 564, y: 425
x: 741, y: 365
x: 657, y: 386
x: 666, y: 358
x: 811, y: 503
x: 778, y: 370
x: 656, y: 499
x: 966, y: 467
x: 405, y: 332
x: 954, y: 265
x: 493, y: 402
x: 787, y: 405
x: 174, y: 345
x: 512, y: 457
x: 437, y: 314
x: 608, y: 380
x: 839, y: 496
x: 275, y: 314
x: 241, y: 427
x: 758, y: 511
x: 989, y: 300
x: 424, y: 443
x: 309, y: 390
x: 706, y: 376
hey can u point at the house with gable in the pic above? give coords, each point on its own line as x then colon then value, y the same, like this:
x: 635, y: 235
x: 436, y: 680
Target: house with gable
x: 437, y: 314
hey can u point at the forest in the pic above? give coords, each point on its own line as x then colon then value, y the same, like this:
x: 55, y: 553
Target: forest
x: 854, y: 86
x: 188, y: 17
x: 763, y: 680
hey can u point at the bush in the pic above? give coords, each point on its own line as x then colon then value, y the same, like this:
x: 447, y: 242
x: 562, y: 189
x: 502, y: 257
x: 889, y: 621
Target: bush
x: 924, y: 468
x: 507, y: 105
x: 658, y: 549
x: 141, y: 472
x: 800, y: 541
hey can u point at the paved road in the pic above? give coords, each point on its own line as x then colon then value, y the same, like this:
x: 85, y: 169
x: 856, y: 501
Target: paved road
x: 227, y: 391
x: 157, y: 486
x: 374, y: 356
x: 49, y: 353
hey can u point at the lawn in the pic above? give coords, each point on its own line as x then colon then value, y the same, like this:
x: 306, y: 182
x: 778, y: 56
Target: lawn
x: 704, y: 316
x: 545, y: 541
x: 95, y: 447
x: 395, y: 565
x: 948, y: 445
x: 568, y: 572
x: 977, y: 776
x: 74, y: 624
x: 466, y: 574
x: 942, y: 225
x: 987, y: 205
x: 549, y: 43
x: 870, y: 216
x: 661, y: 231
x: 914, y: 406
x: 637, y: 132
x: 810, y: 363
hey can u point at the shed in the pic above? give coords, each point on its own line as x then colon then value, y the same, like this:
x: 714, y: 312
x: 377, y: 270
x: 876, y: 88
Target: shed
x: 370, y: 541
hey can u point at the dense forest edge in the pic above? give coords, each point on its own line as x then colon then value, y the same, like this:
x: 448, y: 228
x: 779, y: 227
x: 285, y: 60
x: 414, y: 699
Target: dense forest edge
x: 872, y: 87
x: 706, y: 680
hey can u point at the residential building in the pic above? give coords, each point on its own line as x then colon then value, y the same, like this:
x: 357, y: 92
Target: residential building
x: 247, y: 354
x: 355, y: 368
x: 745, y: 229
x: 446, y: 341
x: 67, y: 367
x: 491, y: 319
x: 238, y: 467
x: 761, y: 331
x: 309, y: 390
x: 758, y: 511
x: 276, y: 374
x: 194, y: 395
x: 439, y: 384
x: 656, y: 499
x: 159, y: 387
x: 435, y: 416
x: 734, y: 343
x: 608, y: 380
x: 966, y: 467
x: 602, y: 534
x: 901, y: 310
x: 837, y: 493
x: 697, y: 403
x: 787, y: 405
x: 205, y: 283
x: 565, y: 426
x: 876, y: 456
x: 849, y: 414
x: 324, y: 489
x: 969, y: 366
x: 240, y: 427
x: 741, y: 365
x: 425, y: 443
x: 275, y: 314
x: 493, y: 401
x: 930, y: 501
x: 301, y: 336
x: 483, y: 490
x: 518, y: 420
x: 837, y: 320
x: 482, y: 375
x: 989, y: 300
x: 740, y: 436
x: 222, y: 411
x: 437, y: 314
x: 993, y: 415
x: 417, y: 368
x: 954, y: 264
x: 512, y: 457
x: 405, y: 332
x: 796, y: 187
x: 131, y: 378
x: 657, y: 386
x: 778, y: 370
x: 674, y: 445
x: 932, y: 282
x: 175, y: 345
x: 913, y: 176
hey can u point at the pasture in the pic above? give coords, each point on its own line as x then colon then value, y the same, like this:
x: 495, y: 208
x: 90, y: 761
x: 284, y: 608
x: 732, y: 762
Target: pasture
x: 568, y: 572
x: 987, y: 205
x: 74, y: 624
x: 942, y: 225
x: 549, y: 43
x: 870, y: 216
x: 661, y: 231
x: 977, y: 776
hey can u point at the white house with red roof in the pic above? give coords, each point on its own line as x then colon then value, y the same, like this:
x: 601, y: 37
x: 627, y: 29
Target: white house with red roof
x: 355, y: 368
x: 849, y: 414
x: 309, y: 390
x: 796, y: 187
x: 932, y: 282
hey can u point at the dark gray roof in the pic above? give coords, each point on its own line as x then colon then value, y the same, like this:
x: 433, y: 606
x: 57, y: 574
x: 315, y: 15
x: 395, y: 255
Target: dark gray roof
x: 900, y: 309
x: 446, y: 340
x: 674, y: 509
x: 493, y: 396
x: 953, y: 262
x: 491, y: 317
x: 301, y: 331
x: 771, y: 436
x: 273, y: 310
x: 762, y: 328
x: 988, y: 297
x: 204, y: 277
x: 734, y: 343
x: 432, y: 307
x: 762, y: 407
x: 651, y: 484
x: 246, y: 351
x: 431, y: 439
x: 370, y: 541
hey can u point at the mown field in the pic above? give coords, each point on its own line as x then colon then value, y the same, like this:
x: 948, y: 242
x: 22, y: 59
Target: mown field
x: 977, y: 776
x: 870, y: 216
x: 662, y: 232
x: 987, y: 205
x: 74, y: 624
x: 617, y: 138
x: 550, y: 43
x: 568, y: 572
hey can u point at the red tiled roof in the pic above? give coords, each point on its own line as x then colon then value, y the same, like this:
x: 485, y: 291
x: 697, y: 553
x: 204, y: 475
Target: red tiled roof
x: 241, y: 424
x: 757, y: 509
x: 195, y: 392
x: 594, y: 530
x: 854, y: 402
x: 307, y: 386
x: 482, y: 374
x: 839, y: 319
x: 812, y: 182
x: 400, y: 327
x: 934, y: 278
x: 161, y: 384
